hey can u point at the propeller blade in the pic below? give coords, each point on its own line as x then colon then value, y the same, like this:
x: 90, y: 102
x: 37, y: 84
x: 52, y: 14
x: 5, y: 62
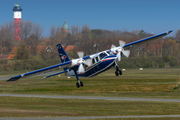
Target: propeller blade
x: 80, y: 54
x: 112, y: 46
x: 121, y: 43
x: 81, y: 69
x: 88, y: 62
x: 74, y: 61
x: 119, y: 56
x: 126, y: 53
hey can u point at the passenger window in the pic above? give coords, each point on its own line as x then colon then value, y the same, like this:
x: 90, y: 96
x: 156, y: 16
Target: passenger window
x: 97, y: 59
x: 93, y: 61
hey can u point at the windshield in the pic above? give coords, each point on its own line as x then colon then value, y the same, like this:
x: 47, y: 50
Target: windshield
x: 102, y: 55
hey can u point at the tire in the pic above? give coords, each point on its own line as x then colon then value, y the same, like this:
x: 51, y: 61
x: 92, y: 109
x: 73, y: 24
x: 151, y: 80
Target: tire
x: 116, y: 73
x: 77, y: 85
x: 81, y: 84
x: 120, y: 72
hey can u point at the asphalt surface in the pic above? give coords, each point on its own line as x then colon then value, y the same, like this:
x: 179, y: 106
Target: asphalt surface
x: 5, y: 78
x: 92, y: 97
x: 90, y: 117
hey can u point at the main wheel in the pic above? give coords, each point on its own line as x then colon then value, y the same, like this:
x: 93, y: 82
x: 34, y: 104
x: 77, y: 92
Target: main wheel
x: 81, y: 84
x: 120, y: 72
x: 116, y: 73
x: 77, y: 84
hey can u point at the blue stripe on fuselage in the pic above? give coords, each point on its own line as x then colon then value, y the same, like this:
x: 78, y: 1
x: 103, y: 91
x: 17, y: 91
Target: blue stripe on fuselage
x: 99, y: 67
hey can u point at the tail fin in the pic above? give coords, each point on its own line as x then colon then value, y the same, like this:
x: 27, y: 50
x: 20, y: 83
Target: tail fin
x: 62, y: 54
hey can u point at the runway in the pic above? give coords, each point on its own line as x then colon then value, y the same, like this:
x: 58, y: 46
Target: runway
x: 93, y: 97
x: 89, y: 117
x: 88, y: 97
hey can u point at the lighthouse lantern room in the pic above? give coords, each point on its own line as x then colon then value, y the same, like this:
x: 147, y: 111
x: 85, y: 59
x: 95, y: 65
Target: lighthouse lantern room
x: 17, y: 21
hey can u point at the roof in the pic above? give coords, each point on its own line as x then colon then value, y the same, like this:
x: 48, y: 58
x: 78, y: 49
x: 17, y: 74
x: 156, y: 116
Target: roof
x: 17, y: 5
x: 65, y: 26
x: 3, y: 56
x: 11, y: 56
x: 69, y: 47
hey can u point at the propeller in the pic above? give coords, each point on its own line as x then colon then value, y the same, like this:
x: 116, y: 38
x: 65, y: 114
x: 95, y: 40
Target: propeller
x: 119, y: 50
x: 81, y: 61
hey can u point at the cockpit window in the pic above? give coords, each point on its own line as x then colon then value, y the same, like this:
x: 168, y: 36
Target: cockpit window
x: 108, y: 51
x: 102, y: 55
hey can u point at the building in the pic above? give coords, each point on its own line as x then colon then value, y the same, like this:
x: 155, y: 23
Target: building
x: 65, y: 26
x: 17, y: 22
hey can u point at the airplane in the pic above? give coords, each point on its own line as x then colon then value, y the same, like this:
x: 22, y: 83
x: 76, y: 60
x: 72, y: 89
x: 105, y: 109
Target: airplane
x: 91, y: 65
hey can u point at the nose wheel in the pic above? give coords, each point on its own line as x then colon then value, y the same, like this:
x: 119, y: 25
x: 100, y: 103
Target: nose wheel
x: 79, y: 84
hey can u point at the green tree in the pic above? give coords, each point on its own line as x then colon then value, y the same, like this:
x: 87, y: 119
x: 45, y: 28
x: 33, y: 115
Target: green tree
x: 22, y: 52
x: 142, y: 34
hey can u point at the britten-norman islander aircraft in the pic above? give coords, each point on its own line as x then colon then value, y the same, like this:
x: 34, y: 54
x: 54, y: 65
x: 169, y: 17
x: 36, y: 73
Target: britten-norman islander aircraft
x: 91, y: 65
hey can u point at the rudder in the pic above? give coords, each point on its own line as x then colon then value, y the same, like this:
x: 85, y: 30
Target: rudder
x: 62, y: 54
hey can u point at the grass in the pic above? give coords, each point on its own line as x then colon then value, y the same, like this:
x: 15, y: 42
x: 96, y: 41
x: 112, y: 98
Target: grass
x: 46, y: 107
x: 158, y: 83
x: 149, y: 83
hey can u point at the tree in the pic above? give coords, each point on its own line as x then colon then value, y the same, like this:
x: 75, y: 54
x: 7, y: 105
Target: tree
x: 178, y: 35
x: 52, y: 33
x: 6, y: 36
x: 86, y: 33
x: 32, y: 42
x: 75, y: 30
x: 28, y: 28
x: 142, y: 34
x: 22, y: 52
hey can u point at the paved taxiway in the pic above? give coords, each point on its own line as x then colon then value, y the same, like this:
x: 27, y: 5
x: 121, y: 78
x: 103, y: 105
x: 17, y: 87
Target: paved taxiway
x: 90, y: 117
x: 93, y: 97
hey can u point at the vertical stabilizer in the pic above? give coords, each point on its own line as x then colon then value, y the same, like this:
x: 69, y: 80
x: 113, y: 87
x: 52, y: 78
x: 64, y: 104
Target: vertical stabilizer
x: 62, y: 54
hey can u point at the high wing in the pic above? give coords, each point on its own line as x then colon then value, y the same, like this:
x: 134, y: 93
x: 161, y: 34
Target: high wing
x: 40, y: 71
x: 149, y: 38
x: 120, y: 50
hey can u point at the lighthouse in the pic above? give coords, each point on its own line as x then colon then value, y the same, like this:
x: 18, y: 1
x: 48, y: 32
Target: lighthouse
x: 17, y: 22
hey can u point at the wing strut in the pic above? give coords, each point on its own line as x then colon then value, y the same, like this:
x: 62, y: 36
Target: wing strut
x: 54, y: 74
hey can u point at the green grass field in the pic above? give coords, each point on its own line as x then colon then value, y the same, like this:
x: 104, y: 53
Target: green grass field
x: 149, y: 83
x: 48, y: 107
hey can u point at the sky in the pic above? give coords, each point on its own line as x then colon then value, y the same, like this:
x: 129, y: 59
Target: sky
x: 153, y: 16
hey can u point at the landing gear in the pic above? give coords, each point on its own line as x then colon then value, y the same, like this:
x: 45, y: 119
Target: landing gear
x: 118, y: 72
x: 78, y: 84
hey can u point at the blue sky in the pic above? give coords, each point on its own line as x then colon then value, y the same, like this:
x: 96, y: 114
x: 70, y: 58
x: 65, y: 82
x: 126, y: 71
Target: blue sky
x: 150, y: 15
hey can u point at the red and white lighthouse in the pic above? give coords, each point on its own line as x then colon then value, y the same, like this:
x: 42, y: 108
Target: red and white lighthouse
x: 17, y: 22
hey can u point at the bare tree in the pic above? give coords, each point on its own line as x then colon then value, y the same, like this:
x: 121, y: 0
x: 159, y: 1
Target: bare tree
x: 37, y: 30
x: 75, y: 30
x: 6, y: 36
x: 178, y: 35
x: 86, y: 32
x: 28, y: 28
x: 52, y: 33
